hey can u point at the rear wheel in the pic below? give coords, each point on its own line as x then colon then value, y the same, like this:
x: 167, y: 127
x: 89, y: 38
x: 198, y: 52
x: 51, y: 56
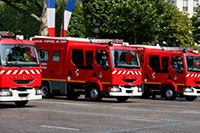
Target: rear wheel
x: 122, y: 99
x: 170, y: 93
x: 21, y: 103
x: 190, y: 98
x: 45, y: 90
x: 95, y: 93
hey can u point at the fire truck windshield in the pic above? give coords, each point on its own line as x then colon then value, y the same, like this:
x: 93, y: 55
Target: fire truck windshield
x: 18, y: 56
x: 193, y: 63
x: 125, y: 59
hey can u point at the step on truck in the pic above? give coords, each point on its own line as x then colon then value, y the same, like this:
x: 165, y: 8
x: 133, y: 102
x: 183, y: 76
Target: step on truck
x: 20, y: 70
x: 170, y: 72
x: 94, y: 67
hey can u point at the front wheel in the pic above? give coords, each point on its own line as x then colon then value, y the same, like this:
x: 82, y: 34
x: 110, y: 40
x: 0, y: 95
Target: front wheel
x: 190, y: 98
x: 170, y: 93
x: 95, y: 93
x: 21, y: 103
x: 45, y: 90
x: 122, y: 99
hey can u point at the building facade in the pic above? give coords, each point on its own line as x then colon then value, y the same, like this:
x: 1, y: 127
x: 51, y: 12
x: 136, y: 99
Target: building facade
x: 188, y: 6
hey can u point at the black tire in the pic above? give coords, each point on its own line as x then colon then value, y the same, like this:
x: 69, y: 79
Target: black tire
x: 146, y: 93
x: 95, y: 93
x: 45, y: 90
x: 71, y: 94
x: 170, y: 93
x: 190, y: 98
x: 21, y: 103
x: 122, y: 99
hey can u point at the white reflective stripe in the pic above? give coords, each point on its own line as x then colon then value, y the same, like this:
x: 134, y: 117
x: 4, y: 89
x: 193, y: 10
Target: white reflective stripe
x: 27, y: 72
x: 128, y: 72
x: 139, y: 73
x: 187, y: 75
x: 195, y: 75
x: 15, y: 71
x: 192, y: 75
x: 132, y: 72
x: 124, y: 72
x: 2, y: 71
x: 119, y: 72
x: 9, y: 71
x: 199, y: 75
x: 136, y: 73
x: 114, y: 72
x: 32, y: 71
x: 38, y: 71
x: 21, y: 71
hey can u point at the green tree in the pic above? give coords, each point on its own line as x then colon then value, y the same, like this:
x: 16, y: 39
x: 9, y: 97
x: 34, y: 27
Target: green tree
x: 135, y: 21
x: 180, y: 31
x: 29, y: 17
x: 196, y: 25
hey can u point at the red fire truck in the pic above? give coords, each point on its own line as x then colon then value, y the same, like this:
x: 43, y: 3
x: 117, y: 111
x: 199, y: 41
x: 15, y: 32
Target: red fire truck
x: 96, y: 68
x: 170, y: 72
x: 20, y: 71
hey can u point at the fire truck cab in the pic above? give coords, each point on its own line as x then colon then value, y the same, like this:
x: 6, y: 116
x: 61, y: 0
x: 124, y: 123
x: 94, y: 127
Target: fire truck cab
x: 20, y: 70
x: 170, y: 72
x: 75, y: 66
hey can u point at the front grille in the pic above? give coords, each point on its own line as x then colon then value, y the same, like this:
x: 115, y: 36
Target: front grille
x: 129, y: 80
x: 23, y: 95
x: 23, y: 81
x: 197, y: 82
x: 129, y: 91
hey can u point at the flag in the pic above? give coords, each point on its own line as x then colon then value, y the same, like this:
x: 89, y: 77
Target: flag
x: 51, y: 17
x: 67, y: 15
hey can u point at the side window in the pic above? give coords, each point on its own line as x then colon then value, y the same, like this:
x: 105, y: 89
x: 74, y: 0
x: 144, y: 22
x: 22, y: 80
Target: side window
x: 142, y: 57
x: 177, y: 63
x: 77, y: 58
x: 56, y: 56
x: 46, y: 57
x: 165, y: 64
x: 102, y: 59
x: 154, y: 63
x: 89, y: 58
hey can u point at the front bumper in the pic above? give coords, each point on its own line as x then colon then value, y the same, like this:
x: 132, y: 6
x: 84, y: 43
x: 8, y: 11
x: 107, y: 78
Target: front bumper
x: 130, y: 91
x: 193, y: 92
x: 16, y: 95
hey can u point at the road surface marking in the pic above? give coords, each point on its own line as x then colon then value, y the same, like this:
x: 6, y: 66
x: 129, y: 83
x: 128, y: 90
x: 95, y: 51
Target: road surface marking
x: 55, y: 127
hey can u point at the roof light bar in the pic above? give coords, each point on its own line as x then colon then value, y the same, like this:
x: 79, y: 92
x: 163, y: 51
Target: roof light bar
x: 7, y: 33
x: 106, y: 41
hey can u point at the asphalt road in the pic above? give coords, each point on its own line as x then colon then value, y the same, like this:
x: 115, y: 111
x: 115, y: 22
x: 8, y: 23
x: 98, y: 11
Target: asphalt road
x: 59, y: 115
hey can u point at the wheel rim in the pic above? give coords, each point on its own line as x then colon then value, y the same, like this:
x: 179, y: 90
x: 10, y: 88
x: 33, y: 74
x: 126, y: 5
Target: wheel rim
x: 169, y: 93
x: 94, y: 93
x: 44, y: 91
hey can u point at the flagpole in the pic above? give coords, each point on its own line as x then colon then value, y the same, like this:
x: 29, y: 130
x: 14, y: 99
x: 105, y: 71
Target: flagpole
x: 63, y: 4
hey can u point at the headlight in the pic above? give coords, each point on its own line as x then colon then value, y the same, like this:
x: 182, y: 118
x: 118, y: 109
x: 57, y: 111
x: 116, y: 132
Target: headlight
x: 188, y: 90
x: 115, y: 89
x: 38, y: 91
x: 139, y: 89
x: 5, y: 92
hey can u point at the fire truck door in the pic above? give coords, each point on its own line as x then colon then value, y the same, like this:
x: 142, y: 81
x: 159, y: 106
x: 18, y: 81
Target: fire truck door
x: 158, y: 69
x: 102, y: 68
x: 80, y: 66
x: 176, y: 72
x: 58, y: 81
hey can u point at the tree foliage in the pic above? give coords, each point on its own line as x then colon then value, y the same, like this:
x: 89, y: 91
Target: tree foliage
x: 196, y: 25
x: 135, y: 21
x: 29, y: 17
x: 180, y: 31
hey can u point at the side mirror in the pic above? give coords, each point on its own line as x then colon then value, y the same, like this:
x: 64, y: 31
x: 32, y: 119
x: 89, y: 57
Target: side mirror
x: 42, y: 53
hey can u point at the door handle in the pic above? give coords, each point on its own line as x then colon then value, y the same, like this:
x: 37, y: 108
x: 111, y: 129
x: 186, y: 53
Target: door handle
x: 52, y: 71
